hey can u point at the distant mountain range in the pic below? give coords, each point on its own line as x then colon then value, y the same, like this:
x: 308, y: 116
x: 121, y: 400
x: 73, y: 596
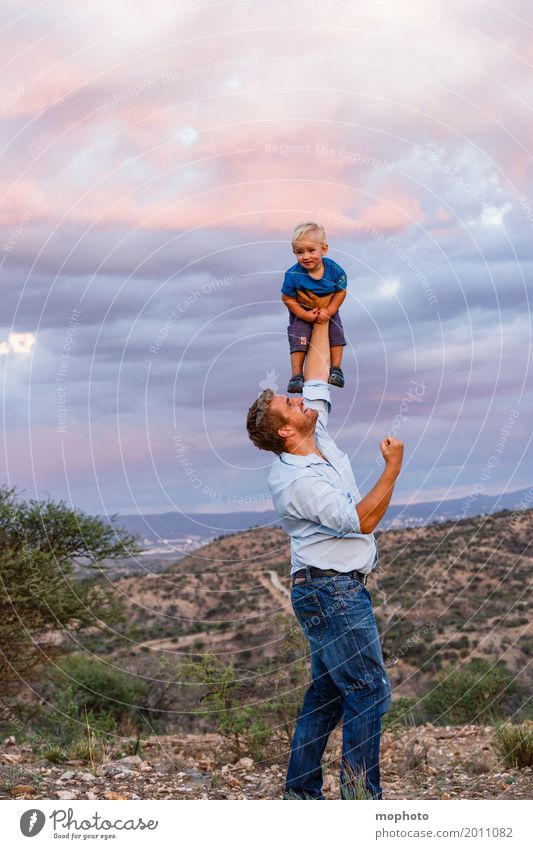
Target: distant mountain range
x: 193, y: 529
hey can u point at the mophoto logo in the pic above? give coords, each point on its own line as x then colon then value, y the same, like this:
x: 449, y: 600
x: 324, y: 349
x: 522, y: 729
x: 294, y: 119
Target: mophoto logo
x: 32, y: 822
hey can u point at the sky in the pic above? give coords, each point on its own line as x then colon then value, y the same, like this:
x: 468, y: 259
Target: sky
x: 156, y: 158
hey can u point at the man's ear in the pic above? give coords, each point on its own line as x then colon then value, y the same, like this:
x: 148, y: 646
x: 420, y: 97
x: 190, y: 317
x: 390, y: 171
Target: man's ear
x: 285, y: 431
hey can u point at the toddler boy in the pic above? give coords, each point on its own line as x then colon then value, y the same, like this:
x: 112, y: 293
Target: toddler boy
x: 313, y: 290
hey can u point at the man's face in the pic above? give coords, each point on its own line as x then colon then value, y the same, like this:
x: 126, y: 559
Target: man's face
x: 309, y: 251
x: 298, y: 417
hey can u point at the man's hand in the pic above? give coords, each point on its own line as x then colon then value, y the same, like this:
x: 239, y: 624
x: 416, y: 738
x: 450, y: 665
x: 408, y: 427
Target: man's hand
x: 373, y: 506
x: 309, y: 299
x: 392, y: 451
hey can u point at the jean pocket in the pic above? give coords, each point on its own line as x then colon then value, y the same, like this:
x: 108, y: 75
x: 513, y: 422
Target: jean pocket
x: 311, y: 616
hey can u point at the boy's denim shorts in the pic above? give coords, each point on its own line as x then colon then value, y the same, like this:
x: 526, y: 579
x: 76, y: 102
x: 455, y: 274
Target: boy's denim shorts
x: 299, y: 332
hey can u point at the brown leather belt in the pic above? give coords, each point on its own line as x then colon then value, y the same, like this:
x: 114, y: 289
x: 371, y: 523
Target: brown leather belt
x: 313, y: 572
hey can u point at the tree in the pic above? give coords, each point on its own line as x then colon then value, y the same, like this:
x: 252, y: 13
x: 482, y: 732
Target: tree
x: 40, y: 597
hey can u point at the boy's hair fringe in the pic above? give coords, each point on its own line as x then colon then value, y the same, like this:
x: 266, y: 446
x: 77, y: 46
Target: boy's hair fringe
x: 305, y: 227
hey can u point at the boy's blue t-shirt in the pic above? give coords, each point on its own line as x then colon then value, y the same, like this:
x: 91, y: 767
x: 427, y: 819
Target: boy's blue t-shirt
x: 297, y: 277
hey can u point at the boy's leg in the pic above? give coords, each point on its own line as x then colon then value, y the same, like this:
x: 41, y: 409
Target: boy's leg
x: 299, y: 333
x: 297, y: 362
x: 337, y: 342
x: 336, y: 356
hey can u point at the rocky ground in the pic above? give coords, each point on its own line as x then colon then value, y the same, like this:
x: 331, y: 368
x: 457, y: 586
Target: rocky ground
x: 426, y: 762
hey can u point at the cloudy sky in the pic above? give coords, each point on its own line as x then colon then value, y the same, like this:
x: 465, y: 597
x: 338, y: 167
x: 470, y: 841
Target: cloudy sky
x: 155, y: 160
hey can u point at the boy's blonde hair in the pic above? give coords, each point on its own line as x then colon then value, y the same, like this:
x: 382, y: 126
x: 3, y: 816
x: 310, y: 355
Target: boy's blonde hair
x: 305, y: 227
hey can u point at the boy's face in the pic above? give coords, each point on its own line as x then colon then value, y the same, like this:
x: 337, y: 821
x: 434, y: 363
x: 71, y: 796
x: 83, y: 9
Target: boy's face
x: 309, y: 251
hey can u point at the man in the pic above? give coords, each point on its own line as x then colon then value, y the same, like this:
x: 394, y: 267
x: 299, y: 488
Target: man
x: 332, y: 552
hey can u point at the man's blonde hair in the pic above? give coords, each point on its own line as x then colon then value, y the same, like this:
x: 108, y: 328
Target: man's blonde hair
x: 305, y: 227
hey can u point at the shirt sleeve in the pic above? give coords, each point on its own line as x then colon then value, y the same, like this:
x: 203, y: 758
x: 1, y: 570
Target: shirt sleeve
x: 289, y: 286
x: 341, y: 281
x: 316, y: 394
x: 317, y: 500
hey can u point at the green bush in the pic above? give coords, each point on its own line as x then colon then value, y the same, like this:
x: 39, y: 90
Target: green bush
x: 87, y: 704
x: 252, y: 709
x: 473, y: 693
x: 402, y: 712
x: 54, y: 754
x: 40, y: 544
x: 243, y: 726
x: 514, y: 744
x: 100, y: 689
x: 64, y: 720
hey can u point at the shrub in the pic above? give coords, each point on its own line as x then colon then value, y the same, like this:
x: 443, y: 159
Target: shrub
x: 514, y: 744
x: 40, y: 544
x: 96, y: 687
x: 243, y: 726
x: 64, y: 720
x: 474, y: 692
x: 402, y: 712
x: 353, y: 787
x: 252, y: 709
x: 54, y: 754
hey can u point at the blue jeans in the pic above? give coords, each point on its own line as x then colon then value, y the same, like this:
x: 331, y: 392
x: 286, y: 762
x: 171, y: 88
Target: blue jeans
x: 348, y: 680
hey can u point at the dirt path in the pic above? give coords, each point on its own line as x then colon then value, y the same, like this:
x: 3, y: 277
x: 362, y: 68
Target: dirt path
x: 167, y: 644
x: 279, y: 593
x: 274, y: 577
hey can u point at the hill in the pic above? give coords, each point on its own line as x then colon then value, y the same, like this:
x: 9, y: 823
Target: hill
x: 442, y: 593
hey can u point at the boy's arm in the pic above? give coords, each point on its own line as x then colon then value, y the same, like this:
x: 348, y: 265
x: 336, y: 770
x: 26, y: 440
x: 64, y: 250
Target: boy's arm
x: 336, y: 301
x: 317, y: 359
x: 293, y: 305
x: 334, y: 305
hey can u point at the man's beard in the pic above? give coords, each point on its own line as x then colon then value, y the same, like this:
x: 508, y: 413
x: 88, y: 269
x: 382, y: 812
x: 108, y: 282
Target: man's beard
x: 308, y: 427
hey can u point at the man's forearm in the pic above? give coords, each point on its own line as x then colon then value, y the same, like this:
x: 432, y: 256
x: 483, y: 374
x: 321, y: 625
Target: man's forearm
x: 317, y: 359
x: 373, y: 506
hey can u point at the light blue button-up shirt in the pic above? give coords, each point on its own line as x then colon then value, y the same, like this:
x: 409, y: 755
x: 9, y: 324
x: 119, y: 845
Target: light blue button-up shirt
x: 316, y: 500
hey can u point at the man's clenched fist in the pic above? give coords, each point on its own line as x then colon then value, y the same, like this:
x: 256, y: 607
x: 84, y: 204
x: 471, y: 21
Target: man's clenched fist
x: 392, y: 450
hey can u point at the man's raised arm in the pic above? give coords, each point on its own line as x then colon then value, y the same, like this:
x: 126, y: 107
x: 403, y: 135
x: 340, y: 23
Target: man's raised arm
x: 374, y: 505
x: 317, y: 359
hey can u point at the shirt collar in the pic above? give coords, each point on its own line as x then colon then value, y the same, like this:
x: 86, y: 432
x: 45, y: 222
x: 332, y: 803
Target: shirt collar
x: 300, y: 460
